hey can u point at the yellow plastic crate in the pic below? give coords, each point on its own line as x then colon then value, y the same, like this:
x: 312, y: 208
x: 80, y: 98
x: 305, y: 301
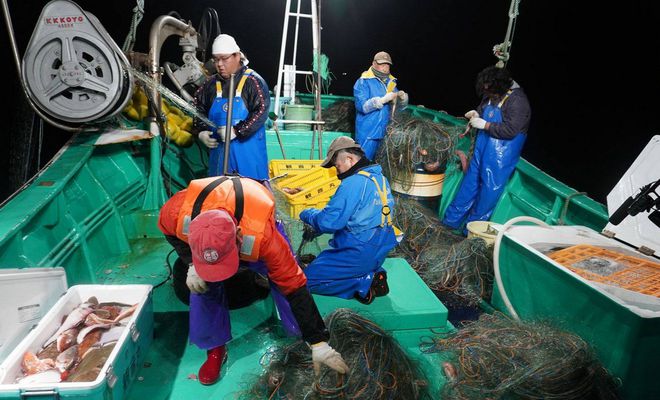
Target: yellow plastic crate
x: 291, y: 167
x: 296, y: 209
x: 317, y: 184
x: 307, y: 179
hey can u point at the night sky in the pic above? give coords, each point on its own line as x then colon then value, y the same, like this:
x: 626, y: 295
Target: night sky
x: 592, y: 74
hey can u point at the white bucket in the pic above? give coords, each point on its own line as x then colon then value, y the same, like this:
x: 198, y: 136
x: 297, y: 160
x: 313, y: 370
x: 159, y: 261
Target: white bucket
x: 483, y: 229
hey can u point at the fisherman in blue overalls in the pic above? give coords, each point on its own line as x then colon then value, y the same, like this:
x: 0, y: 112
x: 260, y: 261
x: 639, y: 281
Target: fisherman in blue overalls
x: 374, y: 93
x: 247, y: 150
x: 502, y: 120
x: 359, y: 215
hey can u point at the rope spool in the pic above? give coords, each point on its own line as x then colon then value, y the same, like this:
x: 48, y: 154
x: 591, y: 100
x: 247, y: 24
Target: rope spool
x: 72, y: 69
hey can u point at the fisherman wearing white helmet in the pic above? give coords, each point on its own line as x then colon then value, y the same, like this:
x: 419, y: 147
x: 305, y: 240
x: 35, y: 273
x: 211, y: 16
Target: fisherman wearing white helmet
x: 247, y: 155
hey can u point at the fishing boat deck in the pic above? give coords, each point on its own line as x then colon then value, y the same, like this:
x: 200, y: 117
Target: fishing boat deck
x: 410, y: 312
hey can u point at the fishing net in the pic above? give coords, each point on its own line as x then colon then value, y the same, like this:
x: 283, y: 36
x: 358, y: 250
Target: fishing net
x: 415, y: 144
x: 498, y: 358
x: 379, y: 368
x: 292, y: 226
x: 340, y: 116
x: 446, y: 262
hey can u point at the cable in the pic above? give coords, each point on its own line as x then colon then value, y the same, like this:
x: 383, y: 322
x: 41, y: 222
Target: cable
x: 169, y: 269
x: 138, y: 13
x: 496, y: 259
x: 206, y: 35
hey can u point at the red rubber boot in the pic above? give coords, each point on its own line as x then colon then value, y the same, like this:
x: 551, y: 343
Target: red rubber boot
x: 209, y: 372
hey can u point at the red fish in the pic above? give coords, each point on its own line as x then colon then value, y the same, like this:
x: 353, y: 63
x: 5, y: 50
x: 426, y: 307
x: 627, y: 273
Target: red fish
x: 31, y: 364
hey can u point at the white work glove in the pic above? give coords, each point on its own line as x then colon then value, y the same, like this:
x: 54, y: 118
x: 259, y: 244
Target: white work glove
x: 322, y: 353
x: 194, y: 282
x: 472, y: 114
x: 403, y: 96
x: 205, y: 137
x: 478, y: 123
x: 387, y: 98
x: 221, y: 133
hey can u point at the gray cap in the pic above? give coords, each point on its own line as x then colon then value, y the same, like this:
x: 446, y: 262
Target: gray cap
x: 341, y: 143
x: 383, y: 57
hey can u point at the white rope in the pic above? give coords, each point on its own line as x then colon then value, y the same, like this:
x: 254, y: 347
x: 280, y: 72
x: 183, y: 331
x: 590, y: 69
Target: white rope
x: 503, y: 50
x: 138, y: 13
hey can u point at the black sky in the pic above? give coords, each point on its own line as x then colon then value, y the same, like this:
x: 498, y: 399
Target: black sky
x: 591, y: 71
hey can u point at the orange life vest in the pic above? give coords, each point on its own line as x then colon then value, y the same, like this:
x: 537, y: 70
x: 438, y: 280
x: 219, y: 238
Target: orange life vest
x: 255, y: 206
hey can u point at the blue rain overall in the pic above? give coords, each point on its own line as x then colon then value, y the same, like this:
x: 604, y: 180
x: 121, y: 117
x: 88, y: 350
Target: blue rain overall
x: 210, y: 325
x: 349, y: 265
x: 492, y: 163
x: 371, y: 122
x: 247, y: 157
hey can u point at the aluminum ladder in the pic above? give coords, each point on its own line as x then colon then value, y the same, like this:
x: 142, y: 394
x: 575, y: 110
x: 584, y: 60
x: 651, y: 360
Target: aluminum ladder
x: 282, y: 70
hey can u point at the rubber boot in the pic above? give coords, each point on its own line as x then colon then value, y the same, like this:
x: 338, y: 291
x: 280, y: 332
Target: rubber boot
x: 209, y: 372
x: 379, y: 284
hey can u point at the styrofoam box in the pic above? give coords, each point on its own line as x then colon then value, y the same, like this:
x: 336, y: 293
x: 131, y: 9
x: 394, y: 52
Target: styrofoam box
x: 118, y: 372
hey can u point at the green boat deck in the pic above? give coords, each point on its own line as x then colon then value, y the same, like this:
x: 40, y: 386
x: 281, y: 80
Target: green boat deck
x: 171, y: 364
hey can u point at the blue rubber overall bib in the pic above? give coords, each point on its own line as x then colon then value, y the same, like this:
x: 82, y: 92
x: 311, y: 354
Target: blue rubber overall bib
x: 349, y: 265
x: 492, y: 163
x: 247, y: 157
x: 370, y: 128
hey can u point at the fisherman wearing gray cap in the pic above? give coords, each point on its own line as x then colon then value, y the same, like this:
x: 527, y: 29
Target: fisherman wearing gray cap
x: 375, y: 93
x: 359, y: 216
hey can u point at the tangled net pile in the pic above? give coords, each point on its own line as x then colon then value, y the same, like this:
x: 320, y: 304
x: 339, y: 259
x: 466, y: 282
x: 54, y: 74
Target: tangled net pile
x: 444, y: 261
x: 496, y: 358
x: 413, y: 143
x: 379, y: 368
x: 340, y: 116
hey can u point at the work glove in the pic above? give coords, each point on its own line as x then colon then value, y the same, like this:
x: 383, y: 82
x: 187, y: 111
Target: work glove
x: 221, y: 133
x: 391, y: 96
x: 205, y: 137
x: 194, y: 282
x: 472, y: 114
x: 309, y: 233
x: 478, y: 123
x: 403, y: 97
x: 322, y: 353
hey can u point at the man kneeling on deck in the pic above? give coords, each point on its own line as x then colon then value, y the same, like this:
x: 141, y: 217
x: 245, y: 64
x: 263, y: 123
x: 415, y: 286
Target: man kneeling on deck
x: 212, y: 225
x: 359, y: 216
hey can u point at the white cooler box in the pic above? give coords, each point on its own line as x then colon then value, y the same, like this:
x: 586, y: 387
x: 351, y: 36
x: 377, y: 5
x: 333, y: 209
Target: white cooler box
x: 34, y: 303
x: 616, y: 310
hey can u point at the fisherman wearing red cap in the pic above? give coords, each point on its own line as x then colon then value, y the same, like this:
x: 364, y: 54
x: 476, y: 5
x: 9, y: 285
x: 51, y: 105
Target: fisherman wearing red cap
x: 212, y: 225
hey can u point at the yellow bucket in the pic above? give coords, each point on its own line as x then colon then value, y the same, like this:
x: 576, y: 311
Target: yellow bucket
x: 485, y: 230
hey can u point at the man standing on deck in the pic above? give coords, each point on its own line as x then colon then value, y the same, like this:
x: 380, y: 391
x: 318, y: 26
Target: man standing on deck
x: 212, y: 225
x: 502, y: 120
x: 249, y: 113
x: 359, y: 215
x: 375, y: 93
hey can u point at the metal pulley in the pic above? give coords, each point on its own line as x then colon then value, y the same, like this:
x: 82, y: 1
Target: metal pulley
x: 72, y: 68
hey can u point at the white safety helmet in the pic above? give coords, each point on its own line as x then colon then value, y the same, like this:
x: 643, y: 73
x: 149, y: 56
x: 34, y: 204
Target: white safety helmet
x: 226, y: 44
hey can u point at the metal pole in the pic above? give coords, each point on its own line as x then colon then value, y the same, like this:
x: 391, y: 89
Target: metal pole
x: 273, y: 116
x: 316, y: 9
x: 295, y: 41
x: 228, y: 124
x: 280, y: 66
